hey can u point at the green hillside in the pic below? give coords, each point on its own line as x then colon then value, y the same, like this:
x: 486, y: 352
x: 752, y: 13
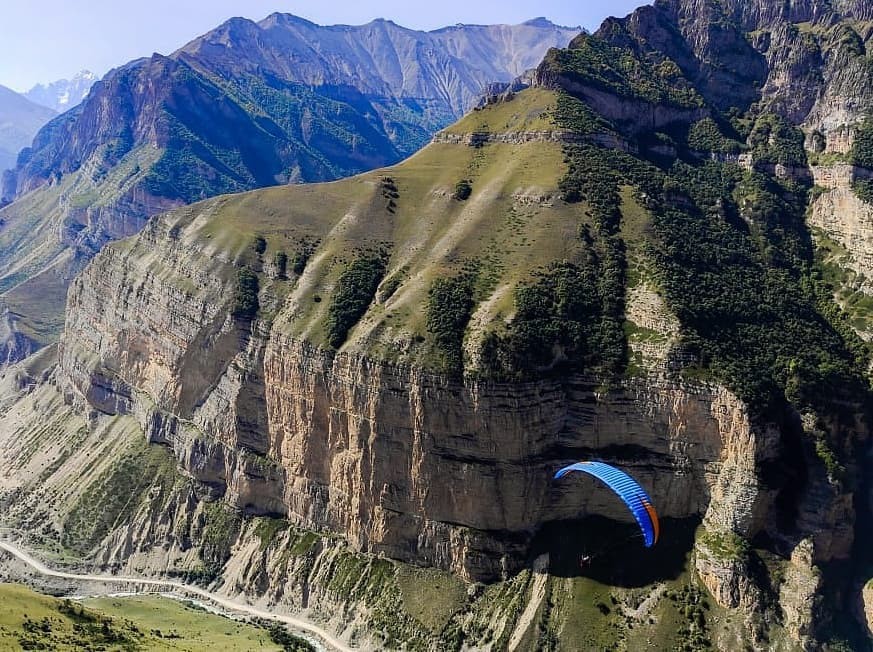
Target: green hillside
x: 31, y: 621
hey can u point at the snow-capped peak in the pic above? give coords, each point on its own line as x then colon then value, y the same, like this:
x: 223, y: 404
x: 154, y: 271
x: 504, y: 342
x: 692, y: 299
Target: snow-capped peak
x: 63, y: 94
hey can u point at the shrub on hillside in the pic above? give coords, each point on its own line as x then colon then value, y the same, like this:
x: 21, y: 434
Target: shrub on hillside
x: 449, y: 305
x: 245, y: 304
x: 463, y: 190
x: 354, y: 292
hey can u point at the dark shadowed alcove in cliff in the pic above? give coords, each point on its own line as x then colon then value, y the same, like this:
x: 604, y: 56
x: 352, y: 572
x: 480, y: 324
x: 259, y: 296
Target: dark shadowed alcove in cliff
x: 612, y: 552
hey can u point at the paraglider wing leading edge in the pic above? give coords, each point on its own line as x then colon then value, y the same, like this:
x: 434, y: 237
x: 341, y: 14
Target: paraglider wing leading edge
x: 626, y: 488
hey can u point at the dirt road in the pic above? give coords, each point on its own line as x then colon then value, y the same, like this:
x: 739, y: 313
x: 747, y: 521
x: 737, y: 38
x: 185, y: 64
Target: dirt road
x: 295, y: 623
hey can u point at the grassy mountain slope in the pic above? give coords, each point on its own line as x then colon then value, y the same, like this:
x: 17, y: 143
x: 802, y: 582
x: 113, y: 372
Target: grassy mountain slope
x: 522, y: 254
x: 411, y: 215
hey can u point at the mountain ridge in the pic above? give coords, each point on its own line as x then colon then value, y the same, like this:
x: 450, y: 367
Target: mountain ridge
x: 290, y: 101
x: 385, y: 30
x: 706, y: 39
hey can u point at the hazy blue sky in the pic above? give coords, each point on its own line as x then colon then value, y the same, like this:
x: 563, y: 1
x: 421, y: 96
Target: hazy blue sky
x: 43, y: 40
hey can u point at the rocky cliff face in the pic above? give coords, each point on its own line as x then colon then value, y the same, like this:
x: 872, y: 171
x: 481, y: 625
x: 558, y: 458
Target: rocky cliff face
x: 848, y: 220
x: 868, y: 607
x: 350, y: 443
x: 449, y: 66
x: 404, y: 462
x: 805, y: 60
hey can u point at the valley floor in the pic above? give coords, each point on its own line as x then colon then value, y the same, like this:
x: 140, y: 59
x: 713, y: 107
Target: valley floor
x: 129, y: 610
x: 29, y: 620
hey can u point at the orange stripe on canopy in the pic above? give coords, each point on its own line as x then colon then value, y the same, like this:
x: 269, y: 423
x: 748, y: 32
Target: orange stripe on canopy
x: 654, y: 516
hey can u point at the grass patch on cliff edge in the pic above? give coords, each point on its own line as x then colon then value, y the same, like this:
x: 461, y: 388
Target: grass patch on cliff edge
x: 39, y: 303
x: 722, y: 545
x: 588, y: 619
x: 430, y: 596
x: 268, y: 529
x: 144, y: 472
x: 529, y: 110
x: 674, y: 615
x: 832, y: 264
x: 622, y: 601
x: 25, y: 228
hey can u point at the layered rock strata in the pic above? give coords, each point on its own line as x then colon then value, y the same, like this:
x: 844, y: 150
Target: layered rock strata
x: 405, y: 462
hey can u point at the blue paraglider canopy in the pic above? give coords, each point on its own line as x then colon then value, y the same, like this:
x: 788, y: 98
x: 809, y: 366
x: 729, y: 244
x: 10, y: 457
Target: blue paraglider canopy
x: 626, y: 488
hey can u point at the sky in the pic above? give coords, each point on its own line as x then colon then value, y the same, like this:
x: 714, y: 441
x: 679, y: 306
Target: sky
x: 45, y: 40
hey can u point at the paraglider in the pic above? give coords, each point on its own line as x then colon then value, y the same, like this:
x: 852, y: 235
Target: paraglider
x: 626, y: 488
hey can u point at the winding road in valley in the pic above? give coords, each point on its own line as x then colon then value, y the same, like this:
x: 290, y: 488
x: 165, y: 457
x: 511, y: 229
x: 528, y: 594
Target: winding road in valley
x: 301, y: 625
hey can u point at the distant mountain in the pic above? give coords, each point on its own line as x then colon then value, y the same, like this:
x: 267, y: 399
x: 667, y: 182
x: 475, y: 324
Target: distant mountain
x: 20, y: 119
x: 63, y: 94
x: 245, y: 106
x: 449, y: 65
x: 255, y: 104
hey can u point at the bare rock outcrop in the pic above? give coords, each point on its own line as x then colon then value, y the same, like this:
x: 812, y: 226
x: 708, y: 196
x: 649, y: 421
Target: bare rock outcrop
x: 867, y: 597
x: 799, y: 593
x: 848, y: 220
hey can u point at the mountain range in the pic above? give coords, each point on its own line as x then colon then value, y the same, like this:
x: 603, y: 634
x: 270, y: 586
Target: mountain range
x: 63, y: 94
x: 245, y: 106
x: 384, y: 88
x: 347, y: 400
